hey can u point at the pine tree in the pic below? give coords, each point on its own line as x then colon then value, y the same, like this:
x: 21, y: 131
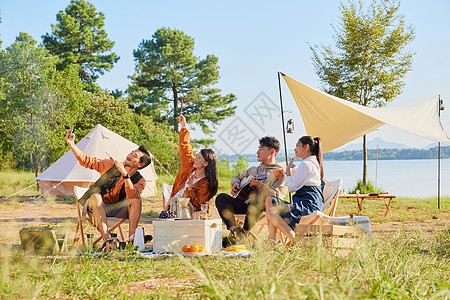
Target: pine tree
x: 168, y: 74
x: 79, y: 39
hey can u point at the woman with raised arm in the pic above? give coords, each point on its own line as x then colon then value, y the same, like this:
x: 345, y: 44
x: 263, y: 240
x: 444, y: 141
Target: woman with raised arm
x: 197, y: 178
x: 307, y: 184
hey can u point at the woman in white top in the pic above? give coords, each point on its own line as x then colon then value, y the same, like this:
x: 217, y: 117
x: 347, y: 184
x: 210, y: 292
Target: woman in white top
x: 307, y: 184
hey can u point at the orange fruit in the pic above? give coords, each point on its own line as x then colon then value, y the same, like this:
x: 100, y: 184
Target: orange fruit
x: 194, y: 248
x: 186, y: 248
x: 201, y: 249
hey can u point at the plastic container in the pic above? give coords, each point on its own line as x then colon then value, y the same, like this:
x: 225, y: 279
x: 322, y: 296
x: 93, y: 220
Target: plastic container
x: 139, y: 239
x: 172, y: 235
x: 359, y: 221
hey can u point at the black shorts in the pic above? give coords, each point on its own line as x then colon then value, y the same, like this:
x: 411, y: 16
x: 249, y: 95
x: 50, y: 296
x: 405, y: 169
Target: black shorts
x: 116, y: 210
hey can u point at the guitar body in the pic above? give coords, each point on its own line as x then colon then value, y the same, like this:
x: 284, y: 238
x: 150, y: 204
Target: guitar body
x: 246, y: 188
x: 244, y: 193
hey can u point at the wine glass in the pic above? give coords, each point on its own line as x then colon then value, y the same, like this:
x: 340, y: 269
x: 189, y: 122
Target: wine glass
x: 204, y: 210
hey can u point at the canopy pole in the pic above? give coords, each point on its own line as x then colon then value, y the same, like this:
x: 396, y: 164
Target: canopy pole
x: 282, y: 125
x: 441, y: 107
x: 376, y: 173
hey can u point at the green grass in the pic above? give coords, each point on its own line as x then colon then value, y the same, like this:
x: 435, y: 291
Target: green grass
x: 13, y: 181
x: 405, y: 263
x: 412, y: 265
x: 403, y: 209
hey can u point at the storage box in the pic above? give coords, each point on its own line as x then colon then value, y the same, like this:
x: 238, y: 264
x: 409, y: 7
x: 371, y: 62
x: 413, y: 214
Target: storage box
x: 334, y: 235
x: 330, y: 230
x: 172, y: 235
x: 43, y: 240
x: 358, y: 221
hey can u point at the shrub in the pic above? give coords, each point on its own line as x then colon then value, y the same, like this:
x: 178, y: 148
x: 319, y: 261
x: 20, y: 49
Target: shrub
x: 241, y: 165
x: 363, y: 189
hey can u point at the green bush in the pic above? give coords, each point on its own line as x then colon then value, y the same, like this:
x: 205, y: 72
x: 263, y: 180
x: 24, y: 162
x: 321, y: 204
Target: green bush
x: 224, y: 168
x: 370, y: 188
x: 241, y: 165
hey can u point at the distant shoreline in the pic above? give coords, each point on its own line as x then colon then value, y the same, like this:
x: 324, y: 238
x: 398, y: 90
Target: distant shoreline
x: 356, y: 155
x: 297, y: 159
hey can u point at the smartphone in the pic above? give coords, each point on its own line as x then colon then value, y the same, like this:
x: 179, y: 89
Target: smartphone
x: 70, y: 132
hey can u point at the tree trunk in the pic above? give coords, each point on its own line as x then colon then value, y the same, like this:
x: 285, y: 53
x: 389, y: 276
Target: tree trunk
x: 36, y: 166
x: 175, y: 108
x: 365, y: 160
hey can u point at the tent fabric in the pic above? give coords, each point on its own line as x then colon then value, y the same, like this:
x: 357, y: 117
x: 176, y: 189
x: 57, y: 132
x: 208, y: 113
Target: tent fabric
x: 337, y: 121
x: 65, y: 173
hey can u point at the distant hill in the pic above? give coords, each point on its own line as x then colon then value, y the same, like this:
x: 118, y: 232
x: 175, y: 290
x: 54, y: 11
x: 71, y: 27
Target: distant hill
x: 432, y: 145
x: 372, y: 144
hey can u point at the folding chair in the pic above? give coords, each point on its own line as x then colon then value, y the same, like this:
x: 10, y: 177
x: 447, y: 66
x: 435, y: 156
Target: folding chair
x: 240, y: 219
x: 112, y: 222
x: 331, y: 193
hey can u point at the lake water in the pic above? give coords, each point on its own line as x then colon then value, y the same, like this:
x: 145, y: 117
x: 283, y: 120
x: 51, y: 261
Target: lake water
x: 408, y: 178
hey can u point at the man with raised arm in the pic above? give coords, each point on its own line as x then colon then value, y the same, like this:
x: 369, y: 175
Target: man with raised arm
x: 249, y: 190
x: 117, y: 192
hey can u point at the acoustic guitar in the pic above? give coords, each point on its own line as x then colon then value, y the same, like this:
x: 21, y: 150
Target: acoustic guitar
x: 246, y: 188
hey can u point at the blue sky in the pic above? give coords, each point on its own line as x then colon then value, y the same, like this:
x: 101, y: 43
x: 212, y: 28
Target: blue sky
x: 253, y: 40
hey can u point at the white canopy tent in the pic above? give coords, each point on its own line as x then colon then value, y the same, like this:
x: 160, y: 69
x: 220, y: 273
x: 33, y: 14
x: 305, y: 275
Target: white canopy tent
x: 60, y: 178
x: 338, y: 122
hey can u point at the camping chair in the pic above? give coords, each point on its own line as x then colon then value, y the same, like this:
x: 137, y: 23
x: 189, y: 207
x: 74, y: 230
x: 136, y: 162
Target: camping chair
x: 112, y: 222
x: 166, y: 191
x: 331, y: 193
x: 240, y: 219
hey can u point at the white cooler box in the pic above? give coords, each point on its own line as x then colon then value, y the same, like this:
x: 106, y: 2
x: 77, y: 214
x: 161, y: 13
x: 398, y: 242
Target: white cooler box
x: 360, y: 221
x: 171, y: 235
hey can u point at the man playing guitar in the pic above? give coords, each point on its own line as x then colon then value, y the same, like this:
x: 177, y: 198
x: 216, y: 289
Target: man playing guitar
x: 267, y: 179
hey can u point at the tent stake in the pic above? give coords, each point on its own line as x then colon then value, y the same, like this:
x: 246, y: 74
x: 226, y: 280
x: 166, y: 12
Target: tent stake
x: 282, y: 126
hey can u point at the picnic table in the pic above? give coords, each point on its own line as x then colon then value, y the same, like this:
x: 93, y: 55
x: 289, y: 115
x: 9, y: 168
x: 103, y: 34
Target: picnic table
x: 361, y: 197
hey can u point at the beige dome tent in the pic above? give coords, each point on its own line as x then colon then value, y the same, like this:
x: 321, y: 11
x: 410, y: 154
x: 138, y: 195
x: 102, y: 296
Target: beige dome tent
x: 60, y: 178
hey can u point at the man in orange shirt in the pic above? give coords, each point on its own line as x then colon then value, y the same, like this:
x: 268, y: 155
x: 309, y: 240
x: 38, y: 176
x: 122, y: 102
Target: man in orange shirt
x: 121, y: 196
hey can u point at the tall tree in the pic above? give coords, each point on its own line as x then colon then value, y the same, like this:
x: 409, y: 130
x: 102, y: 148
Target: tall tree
x: 79, y: 39
x: 370, y: 60
x: 114, y: 113
x: 0, y: 40
x: 38, y: 101
x: 168, y: 74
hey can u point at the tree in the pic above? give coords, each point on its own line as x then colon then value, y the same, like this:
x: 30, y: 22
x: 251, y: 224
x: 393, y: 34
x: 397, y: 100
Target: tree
x: 79, y: 39
x: 38, y: 101
x: 168, y: 74
x: 114, y: 113
x: 241, y: 165
x: 370, y: 60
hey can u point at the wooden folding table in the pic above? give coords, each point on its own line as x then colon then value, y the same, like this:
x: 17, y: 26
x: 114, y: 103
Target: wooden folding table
x: 361, y: 197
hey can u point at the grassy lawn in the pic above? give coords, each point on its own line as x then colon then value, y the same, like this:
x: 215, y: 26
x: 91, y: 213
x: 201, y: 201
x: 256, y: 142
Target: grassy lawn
x: 14, y: 181
x: 407, y: 257
x: 411, y: 266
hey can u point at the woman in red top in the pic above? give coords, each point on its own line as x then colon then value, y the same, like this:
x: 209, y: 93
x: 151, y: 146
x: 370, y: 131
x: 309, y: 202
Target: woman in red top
x: 197, y: 178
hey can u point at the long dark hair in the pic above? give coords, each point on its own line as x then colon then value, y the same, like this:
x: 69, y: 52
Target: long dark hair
x: 211, y: 171
x: 315, y: 146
